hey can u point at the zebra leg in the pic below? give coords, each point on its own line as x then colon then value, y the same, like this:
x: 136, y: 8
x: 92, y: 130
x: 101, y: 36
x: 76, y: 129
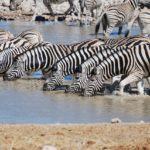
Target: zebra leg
x: 115, y: 83
x: 47, y: 3
x: 134, y: 77
x: 148, y: 80
x: 108, y: 31
x: 120, y: 30
x: 130, y: 23
x: 140, y: 87
x: 127, y: 33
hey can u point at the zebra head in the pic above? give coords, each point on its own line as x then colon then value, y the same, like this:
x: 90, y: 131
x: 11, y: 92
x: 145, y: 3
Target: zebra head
x: 6, y: 60
x: 91, y: 88
x: 15, y: 71
x: 78, y: 85
x: 95, y: 84
x: 53, y: 82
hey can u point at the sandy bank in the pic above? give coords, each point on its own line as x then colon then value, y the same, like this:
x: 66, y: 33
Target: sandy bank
x: 76, y: 137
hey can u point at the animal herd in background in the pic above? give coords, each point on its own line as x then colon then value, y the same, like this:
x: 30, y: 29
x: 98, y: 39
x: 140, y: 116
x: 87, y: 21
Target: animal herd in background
x: 91, y: 62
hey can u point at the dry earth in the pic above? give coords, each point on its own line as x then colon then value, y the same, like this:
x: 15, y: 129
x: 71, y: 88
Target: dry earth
x: 76, y: 137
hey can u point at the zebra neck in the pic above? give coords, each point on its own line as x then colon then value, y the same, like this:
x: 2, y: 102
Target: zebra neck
x: 19, y: 51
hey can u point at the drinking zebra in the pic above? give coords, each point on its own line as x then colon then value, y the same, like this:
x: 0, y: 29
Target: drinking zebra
x: 8, y: 55
x: 69, y: 64
x: 42, y: 57
x: 84, y: 70
x: 133, y: 62
x: 118, y: 15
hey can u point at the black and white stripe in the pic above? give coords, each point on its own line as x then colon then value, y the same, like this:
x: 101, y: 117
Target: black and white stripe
x: 15, y: 42
x: 69, y: 64
x: 32, y: 36
x: 118, y: 15
x: 133, y: 62
x: 84, y: 70
x: 42, y: 57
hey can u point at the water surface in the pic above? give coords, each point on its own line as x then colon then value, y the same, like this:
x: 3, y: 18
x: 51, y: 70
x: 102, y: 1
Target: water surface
x: 23, y: 101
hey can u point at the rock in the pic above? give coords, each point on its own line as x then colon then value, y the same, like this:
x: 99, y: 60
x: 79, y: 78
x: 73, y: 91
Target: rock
x: 116, y: 120
x: 5, y: 3
x: 14, y: 4
x: 142, y: 121
x: 61, y: 18
x: 47, y: 147
x: 26, y: 6
x: 40, y: 18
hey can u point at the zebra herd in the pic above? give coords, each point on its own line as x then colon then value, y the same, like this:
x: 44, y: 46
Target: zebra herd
x: 90, y: 62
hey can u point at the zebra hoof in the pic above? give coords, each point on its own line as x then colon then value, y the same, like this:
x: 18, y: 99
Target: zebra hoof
x: 47, y: 87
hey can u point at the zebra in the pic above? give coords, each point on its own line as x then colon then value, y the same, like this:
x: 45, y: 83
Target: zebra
x: 42, y: 57
x: 7, y: 57
x: 32, y: 36
x: 143, y: 19
x: 69, y: 64
x: 133, y: 62
x: 90, y: 5
x: 5, y: 35
x: 15, y: 42
x: 84, y: 70
x: 118, y: 15
x: 99, y: 5
x: 26, y: 38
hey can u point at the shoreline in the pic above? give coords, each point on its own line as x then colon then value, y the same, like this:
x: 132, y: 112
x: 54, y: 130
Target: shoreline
x: 99, y: 136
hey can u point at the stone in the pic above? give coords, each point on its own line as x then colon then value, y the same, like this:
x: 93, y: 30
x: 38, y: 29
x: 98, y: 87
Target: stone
x: 47, y: 147
x: 40, y: 18
x: 116, y: 120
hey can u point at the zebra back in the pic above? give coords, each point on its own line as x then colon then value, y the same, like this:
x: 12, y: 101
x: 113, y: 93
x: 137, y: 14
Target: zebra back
x: 44, y: 55
x: 32, y: 36
x: 84, y: 70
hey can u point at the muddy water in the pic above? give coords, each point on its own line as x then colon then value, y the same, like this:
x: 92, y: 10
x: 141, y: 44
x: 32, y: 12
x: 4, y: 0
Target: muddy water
x: 23, y: 101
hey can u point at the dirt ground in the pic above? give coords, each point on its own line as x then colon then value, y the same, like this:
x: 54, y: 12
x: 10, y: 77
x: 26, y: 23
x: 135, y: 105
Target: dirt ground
x: 76, y: 137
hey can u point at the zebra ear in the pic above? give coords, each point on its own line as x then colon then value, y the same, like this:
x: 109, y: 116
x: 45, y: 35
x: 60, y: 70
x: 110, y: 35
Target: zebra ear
x: 78, y: 69
x: 54, y: 67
